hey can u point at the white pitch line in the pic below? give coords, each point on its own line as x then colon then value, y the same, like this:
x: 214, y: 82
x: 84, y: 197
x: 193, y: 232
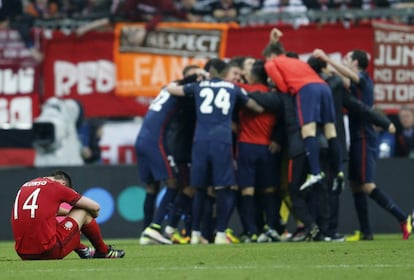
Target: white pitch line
x: 207, y: 267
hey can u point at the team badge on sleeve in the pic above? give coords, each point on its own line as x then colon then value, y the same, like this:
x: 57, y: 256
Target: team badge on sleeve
x: 68, y: 225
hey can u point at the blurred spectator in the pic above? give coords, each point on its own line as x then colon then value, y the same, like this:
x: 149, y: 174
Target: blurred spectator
x: 230, y: 9
x: 43, y: 9
x: 9, y: 11
x: 284, y: 6
x: 287, y: 6
x: 12, y: 16
x: 148, y: 11
x: 405, y: 135
x: 87, y: 8
x: 386, y: 144
x: 385, y: 141
x: 90, y: 133
x: 194, y: 10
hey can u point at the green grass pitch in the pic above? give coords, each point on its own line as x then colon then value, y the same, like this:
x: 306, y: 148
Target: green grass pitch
x: 387, y: 257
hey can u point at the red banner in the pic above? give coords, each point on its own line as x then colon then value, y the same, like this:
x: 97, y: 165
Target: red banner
x: 83, y: 69
x: 86, y: 69
x: 18, y: 81
x: 333, y: 38
x: 394, y: 66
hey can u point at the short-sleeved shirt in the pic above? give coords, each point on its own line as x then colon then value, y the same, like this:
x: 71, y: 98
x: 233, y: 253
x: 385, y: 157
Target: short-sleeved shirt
x: 155, y: 161
x: 34, y: 214
x: 291, y: 74
x: 215, y: 100
x: 158, y: 116
x: 256, y: 128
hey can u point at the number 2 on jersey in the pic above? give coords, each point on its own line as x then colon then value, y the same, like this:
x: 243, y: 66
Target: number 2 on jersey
x: 220, y: 101
x: 29, y: 204
x: 156, y: 104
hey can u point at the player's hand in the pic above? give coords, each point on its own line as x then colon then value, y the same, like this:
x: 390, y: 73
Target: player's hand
x: 274, y: 147
x: 275, y: 35
x: 320, y: 54
x: 391, y: 128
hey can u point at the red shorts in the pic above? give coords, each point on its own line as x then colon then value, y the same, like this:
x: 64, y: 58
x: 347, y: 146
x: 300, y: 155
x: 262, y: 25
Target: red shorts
x: 67, y: 240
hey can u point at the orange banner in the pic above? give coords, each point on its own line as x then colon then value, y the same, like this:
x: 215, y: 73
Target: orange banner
x: 144, y: 66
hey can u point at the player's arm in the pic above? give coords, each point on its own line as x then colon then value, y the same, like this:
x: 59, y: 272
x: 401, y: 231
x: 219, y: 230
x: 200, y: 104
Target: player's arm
x: 254, y: 106
x: 175, y: 89
x: 270, y: 101
x: 340, y: 68
x: 275, y: 35
x: 361, y: 110
x: 274, y: 74
x: 63, y: 211
x: 89, y: 205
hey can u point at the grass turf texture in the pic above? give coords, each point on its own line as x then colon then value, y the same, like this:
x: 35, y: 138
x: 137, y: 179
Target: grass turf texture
x: 387, y: 257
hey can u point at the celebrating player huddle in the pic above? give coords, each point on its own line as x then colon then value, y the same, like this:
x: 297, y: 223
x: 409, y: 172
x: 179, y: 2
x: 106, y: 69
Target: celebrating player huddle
x: 302, y: 104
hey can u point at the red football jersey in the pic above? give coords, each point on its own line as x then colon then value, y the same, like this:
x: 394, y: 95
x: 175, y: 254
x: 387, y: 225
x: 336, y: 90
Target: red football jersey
x: 255, y: 128
x: 291, y: 74
x: 34, y: 214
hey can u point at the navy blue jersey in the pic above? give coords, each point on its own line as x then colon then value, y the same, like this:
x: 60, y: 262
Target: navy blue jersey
x: 363, y: 91
x: 214, y: 101
x: 158, y: 116
x: 180, y: 132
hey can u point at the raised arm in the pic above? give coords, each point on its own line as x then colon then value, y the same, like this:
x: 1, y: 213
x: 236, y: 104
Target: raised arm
x: 340, y: 68
x: 275, y: 35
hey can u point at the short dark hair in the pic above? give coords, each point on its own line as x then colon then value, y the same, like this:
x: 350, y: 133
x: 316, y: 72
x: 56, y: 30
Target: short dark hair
x: 215, y: 66
x: 237, y: 60
x: 62, y: 175
x: 292, y: 54
x: 362, y: 58
x: 317, y: 64
x: 188, y: 68
x: 273, y: 48
x: 259, y: 71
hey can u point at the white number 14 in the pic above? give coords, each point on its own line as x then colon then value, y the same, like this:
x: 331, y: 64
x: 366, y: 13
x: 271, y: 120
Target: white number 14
x: 29, y: 204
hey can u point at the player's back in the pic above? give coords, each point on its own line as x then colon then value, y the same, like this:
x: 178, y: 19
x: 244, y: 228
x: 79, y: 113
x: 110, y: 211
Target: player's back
x: 296, y: 73
x: 158, y: 116
x: 215, y: 101
x: 34, y: 214
x: 363, y: 91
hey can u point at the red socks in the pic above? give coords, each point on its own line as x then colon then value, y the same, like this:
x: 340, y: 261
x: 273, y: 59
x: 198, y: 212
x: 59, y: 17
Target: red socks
x: 93, y: 233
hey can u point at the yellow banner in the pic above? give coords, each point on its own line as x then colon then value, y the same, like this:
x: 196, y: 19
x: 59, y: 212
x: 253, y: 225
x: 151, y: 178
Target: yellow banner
x: 143, y: 67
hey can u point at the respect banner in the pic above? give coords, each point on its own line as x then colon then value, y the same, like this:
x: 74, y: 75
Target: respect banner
x: 393, y: 66
x: 148, y: 61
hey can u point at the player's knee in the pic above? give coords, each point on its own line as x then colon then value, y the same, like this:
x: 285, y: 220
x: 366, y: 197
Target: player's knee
x: 248, y: 191
x: 269, y: 190
x: 189, y: 191
x: 171, y: 184
x: 368, y: 187
x: 330, y: 130
x: 308, y: 130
